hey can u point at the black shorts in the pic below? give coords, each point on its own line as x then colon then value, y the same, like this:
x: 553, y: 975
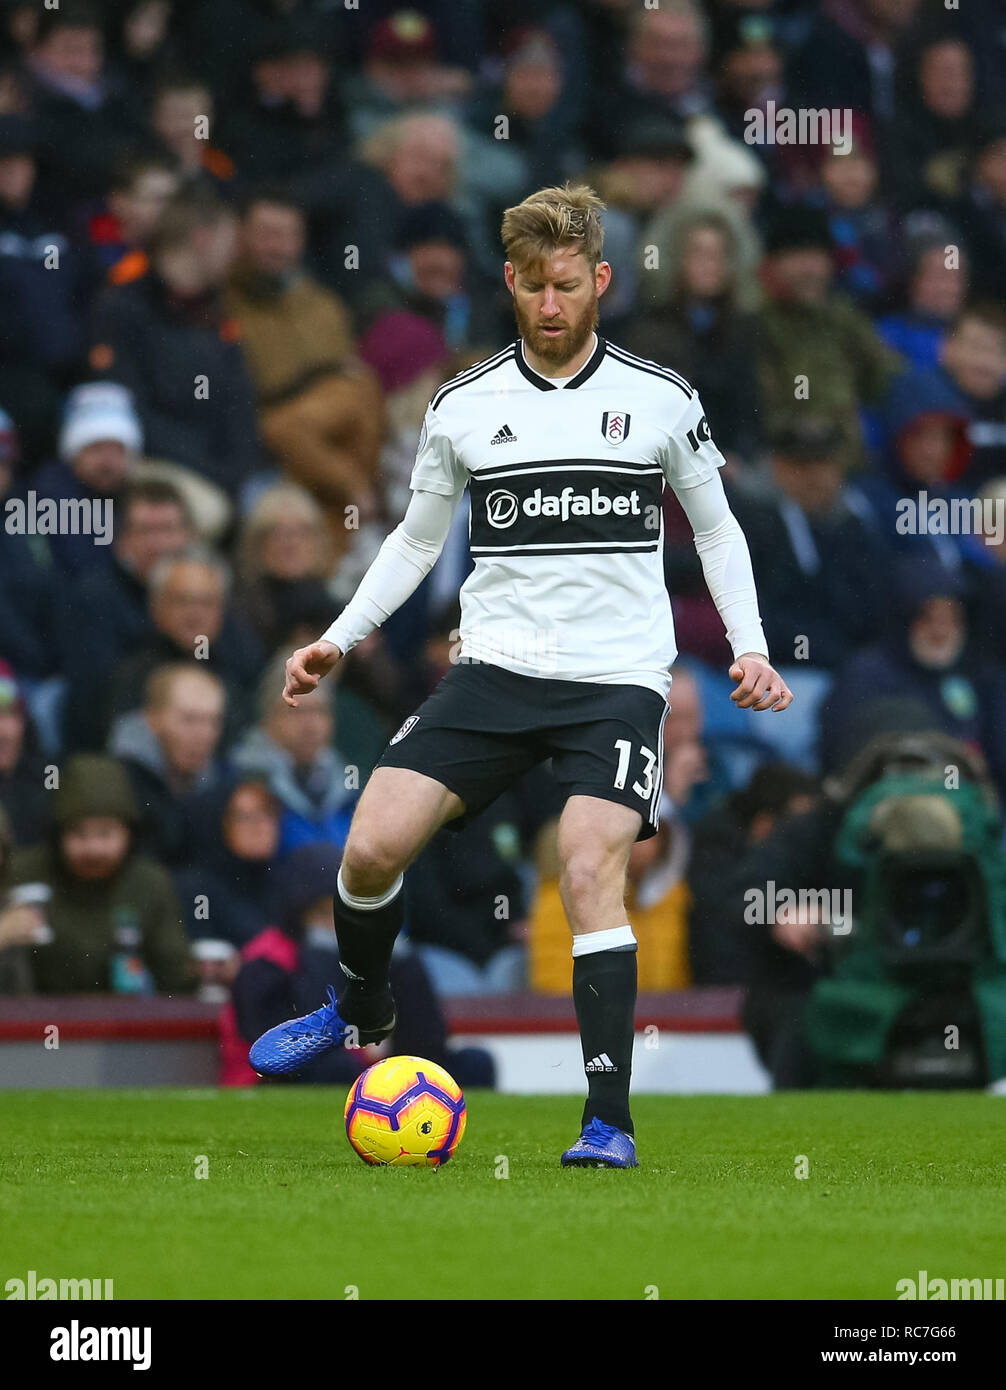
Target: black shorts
x: 483, y: 727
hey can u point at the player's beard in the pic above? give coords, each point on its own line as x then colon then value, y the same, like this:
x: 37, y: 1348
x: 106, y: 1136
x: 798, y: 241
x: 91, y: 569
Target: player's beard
x: 564, y: 346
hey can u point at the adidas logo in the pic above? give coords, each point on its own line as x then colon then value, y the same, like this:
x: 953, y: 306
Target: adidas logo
x: 504, y: 436
x: 602, y: 1063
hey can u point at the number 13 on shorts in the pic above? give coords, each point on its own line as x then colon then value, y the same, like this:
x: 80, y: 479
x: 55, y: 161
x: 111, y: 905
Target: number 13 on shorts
x: 642, y: 789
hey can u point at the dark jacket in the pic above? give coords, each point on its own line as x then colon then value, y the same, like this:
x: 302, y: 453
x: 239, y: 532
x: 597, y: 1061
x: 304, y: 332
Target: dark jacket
x: 157, y: 344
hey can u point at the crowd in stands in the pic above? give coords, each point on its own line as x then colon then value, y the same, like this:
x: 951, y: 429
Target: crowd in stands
x: 242, y: 243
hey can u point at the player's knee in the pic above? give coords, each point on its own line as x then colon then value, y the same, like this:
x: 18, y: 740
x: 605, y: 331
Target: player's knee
x: 370, y: 865
x: 581, y: 879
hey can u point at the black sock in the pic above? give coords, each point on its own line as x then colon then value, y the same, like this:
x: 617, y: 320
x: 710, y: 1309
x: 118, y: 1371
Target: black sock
x: 604, y: 992
x: 366, y: 939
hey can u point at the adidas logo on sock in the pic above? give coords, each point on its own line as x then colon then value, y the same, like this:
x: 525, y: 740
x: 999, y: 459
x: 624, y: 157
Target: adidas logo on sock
x: 504, y: 436
x: 602, y: 1063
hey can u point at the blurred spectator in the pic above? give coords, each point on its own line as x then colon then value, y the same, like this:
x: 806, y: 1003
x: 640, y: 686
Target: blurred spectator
x: 23, y: 794
x: 189, y: 598
x: 319, y: 408
x: 169, y: 748
x: 720, y: 946
x: 284, y: 561
x: 182, y: 117
x: 929, y: 455
x: 937, y: 285
x: 401, y: 72
x: 811, y: 343
x: 106, y: 611
x: 287, y: 969
x: 849, y: 57
x: 114, y: 924
x: 969, y: 382
x: 664, y: 72
x: 703, y: 330
x: 983, y: 551
x: 86, y: 119
x: 935, y: 124
x: 43, y: 284
x: 227, y: 895
x: 864, y: 233
x: 430, y: 274
x: 138, y: 192
x: 981, y: 211
x: 818, y: 566
x: 29, y: 587
x: 165, y: 336
x: 292, y: 748
x: 292, y: 120
x: 99, y: 440
x: 531, y: 95
x: 927, y: 655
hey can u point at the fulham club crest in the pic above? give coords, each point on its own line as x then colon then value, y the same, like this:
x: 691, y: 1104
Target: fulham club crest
x: 615, y: 426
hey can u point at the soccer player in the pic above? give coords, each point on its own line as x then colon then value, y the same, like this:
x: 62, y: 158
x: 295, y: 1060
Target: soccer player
x: 565, y: 443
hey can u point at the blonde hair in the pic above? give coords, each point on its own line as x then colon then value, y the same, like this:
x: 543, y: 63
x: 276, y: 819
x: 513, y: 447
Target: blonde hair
x: 284, y: 502
x: 551, y: 218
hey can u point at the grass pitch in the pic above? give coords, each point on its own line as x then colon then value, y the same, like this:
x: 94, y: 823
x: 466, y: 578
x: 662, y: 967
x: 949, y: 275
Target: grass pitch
x: 102, y: 1184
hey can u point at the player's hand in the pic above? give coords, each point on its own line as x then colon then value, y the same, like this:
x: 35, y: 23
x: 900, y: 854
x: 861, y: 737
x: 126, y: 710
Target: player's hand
x: 759, y: 685
x: 306, y: 667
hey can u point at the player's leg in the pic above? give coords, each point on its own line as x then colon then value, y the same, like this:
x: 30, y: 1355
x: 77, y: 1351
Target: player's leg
x: 595, y: 839
x: 398, y: 813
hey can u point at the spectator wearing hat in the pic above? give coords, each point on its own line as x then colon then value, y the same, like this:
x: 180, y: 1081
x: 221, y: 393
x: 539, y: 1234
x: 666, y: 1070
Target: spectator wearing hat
x: 43, y: 286
x: 819, y: 567
x: 969, y: 382
x: 226, y: 892
x: 641, y: 183
x: 808, y: 334
x: 100, y: 439
x: 402, y: 71
x: 293, y: 120
x: 320, y: 408
x: 22, y: 767
x: 927, y: 652
x: 531, y: 94
x: 430, y: 274
x: 287, y: 968
x: 114, y: 923
x: 167, y: 337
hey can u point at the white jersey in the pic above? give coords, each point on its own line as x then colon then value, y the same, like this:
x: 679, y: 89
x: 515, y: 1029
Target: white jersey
x: 566, y: 477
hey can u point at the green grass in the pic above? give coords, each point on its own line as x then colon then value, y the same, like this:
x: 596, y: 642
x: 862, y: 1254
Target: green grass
x: 101, y: 1184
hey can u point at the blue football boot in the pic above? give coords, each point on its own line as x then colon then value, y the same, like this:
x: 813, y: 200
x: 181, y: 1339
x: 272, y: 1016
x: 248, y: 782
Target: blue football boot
x: 601, y: 1146
x: 290, y: 1046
